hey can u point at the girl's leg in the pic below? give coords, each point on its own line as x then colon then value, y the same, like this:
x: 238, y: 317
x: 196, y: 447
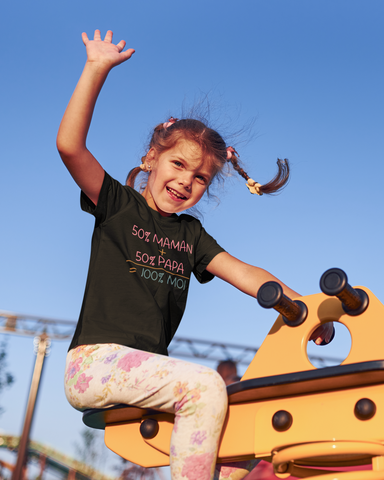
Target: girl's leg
x: 98, y: 376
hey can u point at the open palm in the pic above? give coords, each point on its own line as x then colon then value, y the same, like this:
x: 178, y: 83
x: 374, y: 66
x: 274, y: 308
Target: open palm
x: 104, y: 51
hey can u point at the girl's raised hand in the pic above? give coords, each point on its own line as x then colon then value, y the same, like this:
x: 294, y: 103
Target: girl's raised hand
x: 102, y: 56
x: 104, y: 52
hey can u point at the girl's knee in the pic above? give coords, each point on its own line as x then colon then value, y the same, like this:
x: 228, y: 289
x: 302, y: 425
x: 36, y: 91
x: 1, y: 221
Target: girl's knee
x: 218, y: 391
x: 216, y: 386
x: 220, y: 386
x: 203, y: 387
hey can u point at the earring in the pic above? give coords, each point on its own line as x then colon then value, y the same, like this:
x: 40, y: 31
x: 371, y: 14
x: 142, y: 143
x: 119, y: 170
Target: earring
x: 145, y: 167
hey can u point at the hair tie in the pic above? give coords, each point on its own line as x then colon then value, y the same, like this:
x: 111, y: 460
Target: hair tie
x: 145, y: 167
x: 254, y: 187
x: 230, y: 152
x: 170, y: 122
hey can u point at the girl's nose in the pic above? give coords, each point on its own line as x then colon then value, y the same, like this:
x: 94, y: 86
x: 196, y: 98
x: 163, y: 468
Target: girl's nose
x: 186, y: 181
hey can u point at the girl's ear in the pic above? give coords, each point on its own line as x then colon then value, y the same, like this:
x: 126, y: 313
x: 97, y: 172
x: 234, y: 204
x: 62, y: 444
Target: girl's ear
x: 151, y: 155
x: 150, y: 158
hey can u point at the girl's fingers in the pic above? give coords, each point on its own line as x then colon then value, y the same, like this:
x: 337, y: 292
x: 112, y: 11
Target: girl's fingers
x: 108, y: 39
x: 121, y: 45
x: 127, y: 54
x: 108, y: 36
x: 85, y: 38
x: 323, y: 333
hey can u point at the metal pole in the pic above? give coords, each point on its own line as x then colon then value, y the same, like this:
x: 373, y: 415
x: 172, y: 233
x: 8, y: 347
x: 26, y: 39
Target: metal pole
x: 41, y: 344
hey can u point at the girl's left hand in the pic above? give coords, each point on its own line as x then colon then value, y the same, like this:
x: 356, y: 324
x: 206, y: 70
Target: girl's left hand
x: 323, y: 333
x: 104, y: 52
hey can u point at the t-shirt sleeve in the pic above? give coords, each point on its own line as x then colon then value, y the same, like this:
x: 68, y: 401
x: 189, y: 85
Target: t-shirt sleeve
x: 112, y: 196
x: 206, y: 250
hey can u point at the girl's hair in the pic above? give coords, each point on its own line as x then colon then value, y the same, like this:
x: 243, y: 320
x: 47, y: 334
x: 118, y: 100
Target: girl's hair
x: 166, y: 135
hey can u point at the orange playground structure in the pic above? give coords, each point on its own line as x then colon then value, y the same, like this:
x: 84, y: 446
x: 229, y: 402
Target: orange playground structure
x: 284, y: 410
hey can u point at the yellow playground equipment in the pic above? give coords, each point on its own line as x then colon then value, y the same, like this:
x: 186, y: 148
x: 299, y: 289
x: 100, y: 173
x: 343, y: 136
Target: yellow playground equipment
x: 284, y: 410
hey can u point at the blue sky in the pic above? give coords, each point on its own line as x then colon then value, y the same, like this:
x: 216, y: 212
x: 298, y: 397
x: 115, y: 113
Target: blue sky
x: 309, y: 73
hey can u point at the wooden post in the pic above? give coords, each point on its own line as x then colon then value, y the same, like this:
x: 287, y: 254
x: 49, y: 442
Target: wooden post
x: 42, y: 343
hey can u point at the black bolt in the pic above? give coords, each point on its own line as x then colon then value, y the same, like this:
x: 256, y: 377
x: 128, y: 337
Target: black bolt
x: 365, y: 409
x: 282, y: 420
x: 149, y: 428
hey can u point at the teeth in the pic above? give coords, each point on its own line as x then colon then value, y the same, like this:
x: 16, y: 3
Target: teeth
x: 178, y: 195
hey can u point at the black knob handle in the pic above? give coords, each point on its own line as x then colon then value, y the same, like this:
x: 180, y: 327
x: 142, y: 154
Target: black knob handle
x: 149, y: 428
x: 282, y: 421
x: 270, y: 295
x: 365, y: 409
x: 334, y: 282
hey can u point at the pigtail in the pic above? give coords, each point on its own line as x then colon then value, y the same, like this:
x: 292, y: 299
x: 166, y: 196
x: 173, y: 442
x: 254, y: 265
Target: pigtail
x: 214, y: 151
x: 280, y: 180
x: 235, y: 161
x: 277, y: 183
x: 131, y: 177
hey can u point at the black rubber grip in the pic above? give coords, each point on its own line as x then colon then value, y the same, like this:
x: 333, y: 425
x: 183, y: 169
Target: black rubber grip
x: 270, y: 295
x: 334, y: 282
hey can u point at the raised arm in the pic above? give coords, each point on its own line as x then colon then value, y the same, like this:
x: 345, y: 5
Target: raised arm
x: 249, y: 279
x: 102, y: 56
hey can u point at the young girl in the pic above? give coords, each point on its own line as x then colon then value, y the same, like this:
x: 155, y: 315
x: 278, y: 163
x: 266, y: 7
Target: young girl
x: 142, y: 257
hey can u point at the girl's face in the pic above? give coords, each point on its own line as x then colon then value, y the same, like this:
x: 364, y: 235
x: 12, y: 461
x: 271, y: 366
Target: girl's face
x: 178, y: 178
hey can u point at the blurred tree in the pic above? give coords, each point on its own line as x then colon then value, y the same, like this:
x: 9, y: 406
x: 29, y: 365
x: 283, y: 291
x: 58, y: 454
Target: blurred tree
x: 6, y: 378
x: 135, y: 472
x: 131, y: 471
x: 90, y: 449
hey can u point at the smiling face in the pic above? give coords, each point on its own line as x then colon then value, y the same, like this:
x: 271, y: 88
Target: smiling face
x: 178, y: 178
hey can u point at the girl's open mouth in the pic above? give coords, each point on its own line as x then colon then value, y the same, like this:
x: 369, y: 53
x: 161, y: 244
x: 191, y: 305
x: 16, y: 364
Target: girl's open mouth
x: 176, y: 195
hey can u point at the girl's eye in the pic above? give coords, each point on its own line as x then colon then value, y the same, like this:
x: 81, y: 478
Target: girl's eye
x: 201, y: 179
x: 177, y: 163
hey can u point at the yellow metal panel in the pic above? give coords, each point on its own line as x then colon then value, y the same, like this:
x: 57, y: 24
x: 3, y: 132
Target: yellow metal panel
x: 125, y: 440
x: 322, y: 408
x: 162, y: 441
x: 239, y: 431
x: 285, y: 348
x: 319, y: 418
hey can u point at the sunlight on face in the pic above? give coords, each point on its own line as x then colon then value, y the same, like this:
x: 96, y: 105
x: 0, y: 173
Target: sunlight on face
x: 178, y: 178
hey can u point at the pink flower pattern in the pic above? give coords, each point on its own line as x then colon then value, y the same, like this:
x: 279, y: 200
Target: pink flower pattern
x: 74, y: 367
x: 115, y: 369
x: 197, y: 467
x: 83, y: 383
x: 133, y: 360
x: 225, y: 472
x: 227, y: 469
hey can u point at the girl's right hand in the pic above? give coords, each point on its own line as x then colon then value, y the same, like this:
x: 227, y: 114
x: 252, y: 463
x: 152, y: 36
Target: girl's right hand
x: 104, y: 52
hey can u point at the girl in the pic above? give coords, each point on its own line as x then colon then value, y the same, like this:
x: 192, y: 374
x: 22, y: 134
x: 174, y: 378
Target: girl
x: 141, y: 259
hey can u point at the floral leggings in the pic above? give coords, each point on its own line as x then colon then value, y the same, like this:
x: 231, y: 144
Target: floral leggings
x: 102, y: 375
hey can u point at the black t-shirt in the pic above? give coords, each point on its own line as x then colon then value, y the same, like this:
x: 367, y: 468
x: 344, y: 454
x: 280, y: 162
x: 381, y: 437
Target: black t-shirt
x: 139, y: 271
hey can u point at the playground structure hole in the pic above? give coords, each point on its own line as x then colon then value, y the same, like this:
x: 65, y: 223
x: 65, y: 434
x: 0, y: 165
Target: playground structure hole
x: 335, y: 352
